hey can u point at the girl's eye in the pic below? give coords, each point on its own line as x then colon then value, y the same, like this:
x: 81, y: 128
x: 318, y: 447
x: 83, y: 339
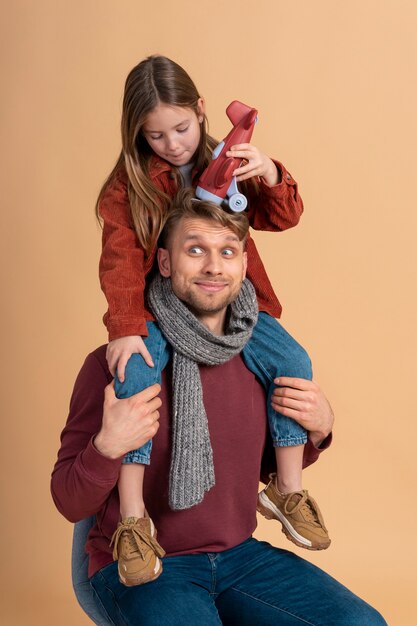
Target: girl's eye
x: 182, y: 130
x: 155, y: 137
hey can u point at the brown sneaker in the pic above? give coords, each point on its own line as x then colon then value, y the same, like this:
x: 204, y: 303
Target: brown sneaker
x: 298, y: 513
x: 136, y: 549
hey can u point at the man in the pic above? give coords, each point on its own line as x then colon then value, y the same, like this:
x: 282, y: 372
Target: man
x: 214, y: 571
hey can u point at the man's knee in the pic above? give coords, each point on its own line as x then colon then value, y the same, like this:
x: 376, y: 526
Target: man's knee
x: 363, y: 615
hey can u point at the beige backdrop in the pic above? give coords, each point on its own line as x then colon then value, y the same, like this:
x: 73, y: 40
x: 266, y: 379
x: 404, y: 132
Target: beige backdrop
x: 335, y: 85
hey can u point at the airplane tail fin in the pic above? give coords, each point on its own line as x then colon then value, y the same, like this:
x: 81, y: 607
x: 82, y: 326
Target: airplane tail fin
x: 237, y: 110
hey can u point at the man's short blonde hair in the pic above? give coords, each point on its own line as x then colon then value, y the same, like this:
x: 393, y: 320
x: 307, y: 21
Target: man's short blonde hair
x: 184, y: 205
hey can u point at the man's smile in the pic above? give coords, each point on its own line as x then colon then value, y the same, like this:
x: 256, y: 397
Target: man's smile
x: 211, y: 286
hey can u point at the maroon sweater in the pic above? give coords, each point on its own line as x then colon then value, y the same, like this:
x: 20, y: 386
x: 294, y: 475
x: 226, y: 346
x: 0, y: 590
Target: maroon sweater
x: 84, y: 482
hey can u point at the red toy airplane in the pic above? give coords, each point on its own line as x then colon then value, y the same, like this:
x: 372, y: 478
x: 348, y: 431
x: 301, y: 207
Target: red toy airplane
x: 217, y: 182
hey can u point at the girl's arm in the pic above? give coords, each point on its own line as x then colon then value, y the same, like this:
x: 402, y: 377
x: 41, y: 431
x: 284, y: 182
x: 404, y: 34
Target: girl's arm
x: 276, y: 205
x: 122, y: 264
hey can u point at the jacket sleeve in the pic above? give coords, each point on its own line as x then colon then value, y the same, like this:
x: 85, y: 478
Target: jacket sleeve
x: 82, y: 477
x: 122, y: 272
x: 275, y: 208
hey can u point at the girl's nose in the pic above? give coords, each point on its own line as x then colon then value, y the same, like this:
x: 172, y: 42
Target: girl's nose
x: 172, y: 143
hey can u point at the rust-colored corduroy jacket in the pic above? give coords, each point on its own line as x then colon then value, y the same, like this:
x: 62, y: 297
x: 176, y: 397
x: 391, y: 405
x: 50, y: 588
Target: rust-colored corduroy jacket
x: 124, y: 265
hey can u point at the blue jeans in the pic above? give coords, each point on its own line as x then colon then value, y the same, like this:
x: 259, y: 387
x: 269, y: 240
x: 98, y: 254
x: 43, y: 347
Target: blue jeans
x: 270, y: 352
x: 252, y: 584
x: 139, y: 376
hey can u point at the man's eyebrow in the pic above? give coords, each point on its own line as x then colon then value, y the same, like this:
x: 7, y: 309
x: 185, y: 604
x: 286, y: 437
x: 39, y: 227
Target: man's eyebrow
x: 197, y: 237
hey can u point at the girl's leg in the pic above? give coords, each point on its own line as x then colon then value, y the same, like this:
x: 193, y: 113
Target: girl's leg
x: 130, y: 487
x: 271, y: 353
x: 135, y: 545
x: 289, y: 461
x: 139, y: 376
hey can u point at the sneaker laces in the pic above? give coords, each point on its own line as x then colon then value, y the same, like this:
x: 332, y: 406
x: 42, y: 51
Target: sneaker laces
x: 135, y: 538
x: 307, y: 505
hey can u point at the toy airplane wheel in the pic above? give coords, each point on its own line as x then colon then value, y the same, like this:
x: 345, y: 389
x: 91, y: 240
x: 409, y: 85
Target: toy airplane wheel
x: 238, y: 202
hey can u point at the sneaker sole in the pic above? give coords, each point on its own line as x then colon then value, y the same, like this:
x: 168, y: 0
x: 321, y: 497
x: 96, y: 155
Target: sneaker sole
x: 133, y: 582
x: 270, y: 511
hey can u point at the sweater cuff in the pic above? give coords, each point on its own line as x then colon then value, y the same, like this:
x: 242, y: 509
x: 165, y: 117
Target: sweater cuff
x: 325, y: 443
x: 312, y: 452
x: 100, y: 468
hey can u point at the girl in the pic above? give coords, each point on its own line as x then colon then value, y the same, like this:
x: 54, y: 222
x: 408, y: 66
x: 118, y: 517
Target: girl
x: 165, y: 145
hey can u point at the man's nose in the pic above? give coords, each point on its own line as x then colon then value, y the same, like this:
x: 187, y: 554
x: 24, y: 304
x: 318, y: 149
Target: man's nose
x: 213, y: 264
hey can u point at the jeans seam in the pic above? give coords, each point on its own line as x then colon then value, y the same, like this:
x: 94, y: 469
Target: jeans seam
x: 247, y: 348
x: 213, y: 575
x: 110, y: 591
x: 163, y: 346
x: 136, y: 458
x: 285, y: 442
x: 244, y: 593
x: 103, y: 608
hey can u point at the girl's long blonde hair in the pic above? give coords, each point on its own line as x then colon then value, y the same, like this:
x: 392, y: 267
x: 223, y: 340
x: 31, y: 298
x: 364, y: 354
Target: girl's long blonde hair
x: 155, y: 80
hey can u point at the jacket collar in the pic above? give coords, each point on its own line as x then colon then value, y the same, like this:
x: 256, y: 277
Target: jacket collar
x: 157, y: 166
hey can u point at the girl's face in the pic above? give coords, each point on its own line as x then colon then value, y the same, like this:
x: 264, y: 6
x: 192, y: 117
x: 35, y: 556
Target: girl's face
x: 174, y: 132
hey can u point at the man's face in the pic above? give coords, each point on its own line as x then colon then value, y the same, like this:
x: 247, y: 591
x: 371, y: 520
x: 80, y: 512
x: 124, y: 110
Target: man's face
x: 207, y: 264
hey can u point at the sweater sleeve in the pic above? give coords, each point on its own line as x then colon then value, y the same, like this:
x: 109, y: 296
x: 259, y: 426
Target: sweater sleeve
x: 275, y: 208
x: 122, y: 264
x: 312, y: 453
x: 82, y: 478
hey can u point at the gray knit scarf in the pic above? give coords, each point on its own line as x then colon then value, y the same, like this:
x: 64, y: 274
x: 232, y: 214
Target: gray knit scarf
x: 192, y: 470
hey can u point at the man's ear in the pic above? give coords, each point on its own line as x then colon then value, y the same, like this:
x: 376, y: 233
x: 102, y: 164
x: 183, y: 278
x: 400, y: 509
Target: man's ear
x: 164, y: 262
x: 245, y: 264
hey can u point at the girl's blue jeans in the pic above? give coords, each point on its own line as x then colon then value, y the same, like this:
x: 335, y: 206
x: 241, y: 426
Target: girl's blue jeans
x: 270, y: 352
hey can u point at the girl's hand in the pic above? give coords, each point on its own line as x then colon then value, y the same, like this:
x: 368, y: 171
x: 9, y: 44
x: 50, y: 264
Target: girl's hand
x: 257, y: 164
x: 120, y: 350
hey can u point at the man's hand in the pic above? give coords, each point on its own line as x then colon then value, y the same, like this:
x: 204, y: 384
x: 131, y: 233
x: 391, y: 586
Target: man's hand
x: 129, y: 423
x: 304, y: 402
x: 120, y: 350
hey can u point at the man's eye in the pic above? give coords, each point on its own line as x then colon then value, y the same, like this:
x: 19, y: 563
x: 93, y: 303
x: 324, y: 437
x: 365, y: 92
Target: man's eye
x: 228, y: 252
x: 195, y: 250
